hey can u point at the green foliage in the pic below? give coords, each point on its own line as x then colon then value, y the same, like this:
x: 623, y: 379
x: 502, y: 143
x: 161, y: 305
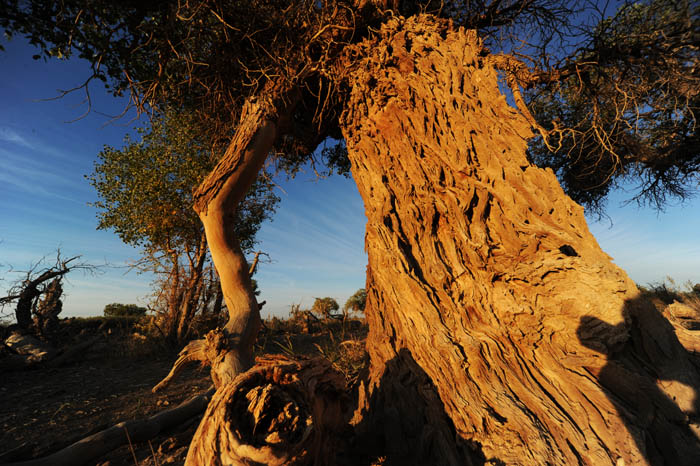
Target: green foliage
x: 325, y: 307
x: 124, y: 310
x: 145, y: 188
x: 618, y: 94
x: 357, y: 301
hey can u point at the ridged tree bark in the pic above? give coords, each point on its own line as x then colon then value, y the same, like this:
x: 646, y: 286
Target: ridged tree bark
x: 500, y: 332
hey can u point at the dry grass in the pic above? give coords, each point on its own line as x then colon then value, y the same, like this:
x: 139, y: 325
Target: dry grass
x: 341, y: 342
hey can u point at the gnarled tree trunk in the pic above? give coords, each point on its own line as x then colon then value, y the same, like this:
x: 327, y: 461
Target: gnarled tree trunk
x: 281, y: 412
x: 499, y: 330
x: 216, y: 201
x: 229, y: 351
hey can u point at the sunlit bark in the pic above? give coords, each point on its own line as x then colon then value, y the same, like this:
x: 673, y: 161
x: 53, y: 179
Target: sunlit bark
x: 499, y: 330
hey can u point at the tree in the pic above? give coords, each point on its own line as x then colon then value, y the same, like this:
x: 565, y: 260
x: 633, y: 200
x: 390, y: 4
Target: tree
x: 325, y: 307
x: 124, y: 310
x: 495, y: 319
x: 632, y: 116
x: 37, y: 297
x: 356, y: 302
x: 145, y: 196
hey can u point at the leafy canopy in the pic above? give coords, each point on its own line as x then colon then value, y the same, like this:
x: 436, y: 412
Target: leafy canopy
x: 325, y: 307
x: 617, y: 93
x: 145, y: 188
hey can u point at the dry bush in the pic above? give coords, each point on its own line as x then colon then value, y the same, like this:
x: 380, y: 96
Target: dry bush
x: 340, y: 341
x: 667, y: 292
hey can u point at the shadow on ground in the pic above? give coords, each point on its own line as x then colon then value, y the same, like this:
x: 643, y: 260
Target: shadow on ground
x: 652, y: 380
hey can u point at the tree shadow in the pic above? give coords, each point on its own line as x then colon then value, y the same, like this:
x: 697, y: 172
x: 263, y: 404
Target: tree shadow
x: 406, y: 424
x: 663, y: 422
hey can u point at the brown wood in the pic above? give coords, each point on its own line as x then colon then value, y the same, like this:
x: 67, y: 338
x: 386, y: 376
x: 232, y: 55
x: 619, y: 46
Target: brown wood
x: 281, y: 412
x: 90, y: 448
x: 216, y: 201
x: 499, y: 330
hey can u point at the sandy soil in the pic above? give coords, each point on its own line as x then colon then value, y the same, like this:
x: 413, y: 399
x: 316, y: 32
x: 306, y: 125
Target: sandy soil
x: 43, y: 410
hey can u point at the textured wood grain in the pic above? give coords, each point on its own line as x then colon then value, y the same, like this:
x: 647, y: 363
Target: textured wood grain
x: 499, y: 330
x: 281, y: 412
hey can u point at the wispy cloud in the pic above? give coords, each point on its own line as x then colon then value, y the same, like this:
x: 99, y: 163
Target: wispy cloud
x: 9, y: 135
x: 31, y: 175
x: 35, y: 143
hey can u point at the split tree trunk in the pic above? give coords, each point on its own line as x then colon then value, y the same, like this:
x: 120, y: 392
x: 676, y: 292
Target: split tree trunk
x: 499, y: 330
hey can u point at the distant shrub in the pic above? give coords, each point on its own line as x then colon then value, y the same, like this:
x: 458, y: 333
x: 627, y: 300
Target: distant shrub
x: 124, y: 310
x: 668, y: 291
x: 325, y: 307
x: 356, y: 302
x: 696, y: 290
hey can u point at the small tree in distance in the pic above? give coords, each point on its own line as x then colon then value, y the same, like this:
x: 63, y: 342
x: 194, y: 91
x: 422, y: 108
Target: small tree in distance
x: 325, y: 307
x: 356, y: 302
x: 124, y: 310
x: 145, y: 197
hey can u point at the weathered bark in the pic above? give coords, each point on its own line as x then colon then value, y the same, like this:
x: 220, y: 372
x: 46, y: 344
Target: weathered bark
x: 48, y: 308
x: 281, y: 412
x: 29, y: 292
x: 499, y: 330
x: 216, y: 201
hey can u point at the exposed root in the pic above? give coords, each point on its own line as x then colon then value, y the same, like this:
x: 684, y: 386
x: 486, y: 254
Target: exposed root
x: 194, y: 351
x: 210, y: 350
x: 282, y: 411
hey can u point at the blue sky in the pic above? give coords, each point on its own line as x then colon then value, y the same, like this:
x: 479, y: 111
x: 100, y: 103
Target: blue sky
x: 316, y: 240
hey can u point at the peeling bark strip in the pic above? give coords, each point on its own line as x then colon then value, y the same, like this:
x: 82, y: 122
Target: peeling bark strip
x: 281, y: 412
x: 485, y: 286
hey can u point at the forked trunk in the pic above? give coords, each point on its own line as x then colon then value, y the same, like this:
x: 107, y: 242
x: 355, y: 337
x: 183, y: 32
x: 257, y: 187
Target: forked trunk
x: 499, y: 330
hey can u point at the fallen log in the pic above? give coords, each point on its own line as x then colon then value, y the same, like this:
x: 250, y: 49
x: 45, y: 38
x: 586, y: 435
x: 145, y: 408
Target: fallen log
x: 85, y: 451
x: 282, y: 411
x: 26, y: 351
x: 27, y: 345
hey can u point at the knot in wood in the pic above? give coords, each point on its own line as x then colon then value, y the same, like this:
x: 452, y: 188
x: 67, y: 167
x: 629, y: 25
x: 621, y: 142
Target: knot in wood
x: 217, y: 343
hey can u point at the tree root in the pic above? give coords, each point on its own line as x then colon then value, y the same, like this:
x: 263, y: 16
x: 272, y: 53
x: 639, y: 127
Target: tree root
x: 282, y: 411
x: 85, y: 451
x: 193, y: 351
x: 210, y: 350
